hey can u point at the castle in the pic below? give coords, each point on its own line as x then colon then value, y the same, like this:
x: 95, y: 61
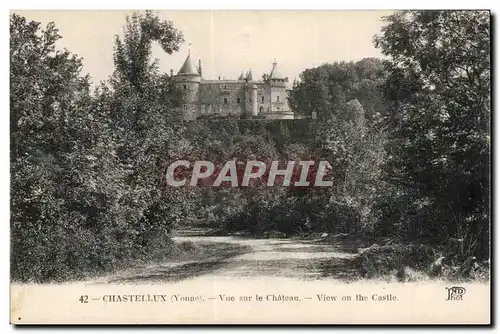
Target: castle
x: 242, y: 98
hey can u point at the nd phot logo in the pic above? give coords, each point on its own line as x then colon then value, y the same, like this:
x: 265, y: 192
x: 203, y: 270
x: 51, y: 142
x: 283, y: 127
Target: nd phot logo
x: 455, y: 293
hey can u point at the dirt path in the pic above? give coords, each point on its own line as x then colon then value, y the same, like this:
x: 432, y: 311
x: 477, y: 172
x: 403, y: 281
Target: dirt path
x: 277, y: 258
x: 239, y: 257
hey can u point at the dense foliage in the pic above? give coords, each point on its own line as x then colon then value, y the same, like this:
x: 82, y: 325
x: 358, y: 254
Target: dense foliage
x: 407, y: 140
x: 86, y: 169
x: 325, y: 89
x: 439, y: 126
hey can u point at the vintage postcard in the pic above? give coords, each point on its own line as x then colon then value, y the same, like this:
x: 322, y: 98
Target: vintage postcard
x: 250, y: 167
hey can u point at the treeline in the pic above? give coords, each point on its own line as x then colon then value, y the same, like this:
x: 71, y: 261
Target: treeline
x: 407, y: 139
x: 86, y: 166
x: 353, y: 151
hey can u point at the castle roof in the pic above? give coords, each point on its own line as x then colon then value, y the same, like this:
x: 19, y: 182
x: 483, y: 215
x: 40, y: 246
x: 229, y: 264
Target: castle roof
x: 187, y: 67
x: 230, y: 81
x: 249, y: 76
x: 275, y: 74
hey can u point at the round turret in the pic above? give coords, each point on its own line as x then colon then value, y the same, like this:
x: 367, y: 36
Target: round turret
x: 275, y: 74
x: 188, y: 81
x: 251, y: 100
x: 253, y: 90
x: 188, y: 73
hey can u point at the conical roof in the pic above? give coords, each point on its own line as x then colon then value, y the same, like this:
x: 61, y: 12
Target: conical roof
x: 241, y: 77
x: 275, y: 74
x: 249, y: 76
x: 187, y: 67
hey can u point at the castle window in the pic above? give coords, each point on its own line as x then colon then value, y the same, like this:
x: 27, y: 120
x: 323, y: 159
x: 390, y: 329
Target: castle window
x: 185, y: 107
x: 278, y: 108
x: 185, y: 87
x: 277, y: 98
x: 225, y: 100
x: 261, y: 109
x: 262, y: 99
x: 237, y: 100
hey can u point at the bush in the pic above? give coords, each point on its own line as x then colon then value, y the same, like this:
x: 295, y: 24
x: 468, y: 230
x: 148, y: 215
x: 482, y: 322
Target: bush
x: 379, y: 261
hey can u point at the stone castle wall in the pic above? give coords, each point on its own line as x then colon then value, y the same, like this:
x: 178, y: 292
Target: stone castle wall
x: 243, y: 98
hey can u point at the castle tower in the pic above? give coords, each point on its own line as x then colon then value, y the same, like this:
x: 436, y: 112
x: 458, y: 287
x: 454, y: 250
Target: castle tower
x: 188, y: 81
x: 250, y: 96
x: 279, y: 107
x: 275, y: 75
x: 253, y: 94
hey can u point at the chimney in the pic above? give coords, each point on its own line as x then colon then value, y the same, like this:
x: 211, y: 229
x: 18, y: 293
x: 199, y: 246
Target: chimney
x: 171, y: 72
x: 199, y: 67
x: 219, y: 77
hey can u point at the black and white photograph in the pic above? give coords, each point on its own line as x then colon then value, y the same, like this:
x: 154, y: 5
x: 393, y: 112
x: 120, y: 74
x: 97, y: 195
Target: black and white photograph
x: 250, y: 166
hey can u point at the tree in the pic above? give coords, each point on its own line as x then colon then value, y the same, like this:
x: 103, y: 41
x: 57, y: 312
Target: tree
x: 62, y: 201
x: 87, y: 170
x: 439, y: 151
x: 325, y: 89
x: 132, y: 54
x: 144, y: 109
x: 355, y: 152
x: 43, y: 82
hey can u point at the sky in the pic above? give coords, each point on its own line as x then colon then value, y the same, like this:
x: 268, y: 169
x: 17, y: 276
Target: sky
x: 227, y: 42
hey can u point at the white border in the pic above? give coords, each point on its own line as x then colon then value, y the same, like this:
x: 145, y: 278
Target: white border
x: 255, y: 4
x: 183, y: 5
